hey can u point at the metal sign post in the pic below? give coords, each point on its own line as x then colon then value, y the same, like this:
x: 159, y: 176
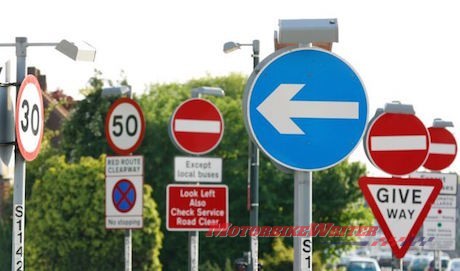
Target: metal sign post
x: 288, y: 114
x: 124, y: 130
x: 303, y: 246
x: 196, y: 127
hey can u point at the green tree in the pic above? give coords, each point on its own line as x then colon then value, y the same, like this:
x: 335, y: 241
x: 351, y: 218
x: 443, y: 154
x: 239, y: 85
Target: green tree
x: 83, y: 134
x: 66, y: 226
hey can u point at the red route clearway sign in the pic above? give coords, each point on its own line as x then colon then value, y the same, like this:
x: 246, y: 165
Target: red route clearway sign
x: 400, y: 206
x: 196, y: 207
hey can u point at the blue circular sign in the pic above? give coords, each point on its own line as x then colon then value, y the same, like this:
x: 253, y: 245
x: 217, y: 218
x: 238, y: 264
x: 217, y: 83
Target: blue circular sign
x: 124, y: 195
x: 305, y: 108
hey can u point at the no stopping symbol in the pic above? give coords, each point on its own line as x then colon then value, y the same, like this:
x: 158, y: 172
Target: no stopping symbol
x: 124, y: 126
x: 124, y: 195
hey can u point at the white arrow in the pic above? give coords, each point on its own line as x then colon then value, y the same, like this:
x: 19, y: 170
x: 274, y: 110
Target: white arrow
x: 279, y: 109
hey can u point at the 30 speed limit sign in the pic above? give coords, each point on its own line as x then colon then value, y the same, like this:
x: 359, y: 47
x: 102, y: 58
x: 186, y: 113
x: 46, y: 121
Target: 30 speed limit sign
x: 124, y: 126
x: 29, y: 118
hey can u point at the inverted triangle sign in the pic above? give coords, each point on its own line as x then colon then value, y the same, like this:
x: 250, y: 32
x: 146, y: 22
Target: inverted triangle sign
x: 400, y: 206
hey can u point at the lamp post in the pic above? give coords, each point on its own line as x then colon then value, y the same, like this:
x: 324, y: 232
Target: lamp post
x: 253, y: 163
x: 120, y: 91
x: 76, y: 52
x: 193, y: 236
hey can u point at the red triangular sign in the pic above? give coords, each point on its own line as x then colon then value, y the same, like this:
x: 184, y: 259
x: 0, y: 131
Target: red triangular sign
x: 400, y: 206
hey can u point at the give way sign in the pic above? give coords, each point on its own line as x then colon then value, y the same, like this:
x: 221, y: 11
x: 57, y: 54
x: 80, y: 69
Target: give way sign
x: 400, y: 206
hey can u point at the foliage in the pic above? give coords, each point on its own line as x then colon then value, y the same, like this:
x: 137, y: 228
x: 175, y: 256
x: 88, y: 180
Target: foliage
x: 66, y: 227
x: 83, y: 134
x: 5, y: 235
x: 337, y: 199
x: 281, y: 257
x: 66, y: 101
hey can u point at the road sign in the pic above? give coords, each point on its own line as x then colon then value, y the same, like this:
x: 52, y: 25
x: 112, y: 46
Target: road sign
x: 196, y: 207
x: 443, y: 149
x: 443, y: 232
x: 445, y: 201
x: 29, y: 118
x: 196, y: 126
x: 397, y: 143
x: 124, y: 126
x: 198, y: 169
x: 305, y: 108
x: 124, y: 165
x: 441, y: 215
x: 400, y: 206
x: 123, y: 202
x: 124, y: 195
x: 449, y: 180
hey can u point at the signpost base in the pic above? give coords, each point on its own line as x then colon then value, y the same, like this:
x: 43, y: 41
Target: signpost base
x: 193, y: 239
x: 128, y: 250
x: 303, y: 246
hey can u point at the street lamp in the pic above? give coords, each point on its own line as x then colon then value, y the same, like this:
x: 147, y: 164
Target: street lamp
x: 211, y: 91
x: 253, y: 162
x: 117, y: 91
x: 76, y: 52
x: 193, y: 236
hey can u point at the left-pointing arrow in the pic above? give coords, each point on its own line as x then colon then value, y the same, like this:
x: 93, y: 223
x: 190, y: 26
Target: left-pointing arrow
x: 279, y: 109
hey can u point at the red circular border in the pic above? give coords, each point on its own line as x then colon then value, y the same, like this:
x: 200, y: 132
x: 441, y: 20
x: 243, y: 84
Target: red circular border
x: 135, y: 196
x: 107, y: 120
x: 29, y: 156
x: 370, y: 154
x: 173, y: 136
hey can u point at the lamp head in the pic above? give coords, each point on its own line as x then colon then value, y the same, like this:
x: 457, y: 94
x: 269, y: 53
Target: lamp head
x: 81, y: 51
x: 231, y: 46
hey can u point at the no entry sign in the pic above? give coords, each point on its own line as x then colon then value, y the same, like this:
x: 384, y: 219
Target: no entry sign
x: 196, y: 126
x: 400, y: 206
x: 397, y: 143
x: 124, y: 126
x: 29, y: 118
x: 443, y: 149
x: 196, y: 207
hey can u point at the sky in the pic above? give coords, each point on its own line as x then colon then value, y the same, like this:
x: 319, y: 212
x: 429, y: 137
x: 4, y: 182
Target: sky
x: 405, y: 51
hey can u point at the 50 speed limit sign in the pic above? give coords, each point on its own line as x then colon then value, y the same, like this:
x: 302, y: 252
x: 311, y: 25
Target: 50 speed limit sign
x: 124, y: 126
x: 29, y: 118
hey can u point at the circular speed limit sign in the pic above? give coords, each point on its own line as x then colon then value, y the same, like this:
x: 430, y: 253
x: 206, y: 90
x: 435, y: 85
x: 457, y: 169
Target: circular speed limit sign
x: 29, y: 118
x: 124, y: 126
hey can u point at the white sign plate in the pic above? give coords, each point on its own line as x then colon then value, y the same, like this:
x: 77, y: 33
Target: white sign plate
x: 124, y: 202
x: 449, y: 180
x: 445, y: 201
x: 124, y: 165
x: 198, y: 169
x: 441, y: 215
x: 443, y: 233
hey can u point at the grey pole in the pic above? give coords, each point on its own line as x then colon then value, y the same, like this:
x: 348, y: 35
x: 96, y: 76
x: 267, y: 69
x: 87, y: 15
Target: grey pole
x: 303, y: 246
x: 128, y: 250
x: 19, y: 173
x: 254, y: 180
x: 193, y: 236
x: 129, y: 232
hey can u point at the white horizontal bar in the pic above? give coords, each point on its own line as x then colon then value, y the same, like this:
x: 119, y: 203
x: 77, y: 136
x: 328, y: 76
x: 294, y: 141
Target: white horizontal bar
x: 441, y: 148
x: 197, y: 126
x: 398, y: 143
